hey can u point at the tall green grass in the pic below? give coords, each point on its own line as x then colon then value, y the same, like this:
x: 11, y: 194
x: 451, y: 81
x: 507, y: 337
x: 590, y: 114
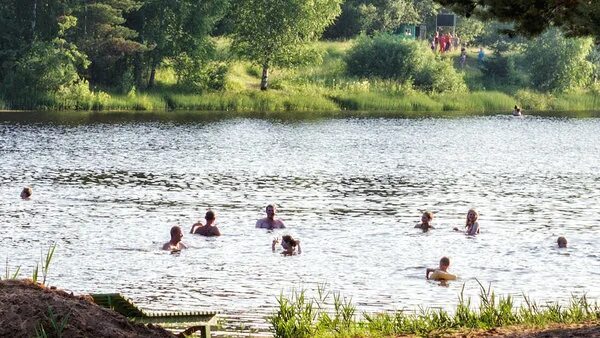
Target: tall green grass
x: 300, y: 316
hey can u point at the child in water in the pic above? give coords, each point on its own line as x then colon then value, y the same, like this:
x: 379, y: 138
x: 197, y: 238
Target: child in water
x: 426, y: 219
x: 290, y: 246
x: 517, y: 111
x: 26, y: 193
x: 444, y: 264
x: 472, y: 227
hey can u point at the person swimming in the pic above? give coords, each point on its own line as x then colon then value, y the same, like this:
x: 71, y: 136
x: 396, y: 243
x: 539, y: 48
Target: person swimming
x: 175, y: 243
x: 441, y: 273
x: 517, y: 111
x: 426, y: 219
x: 290, y: 245
x: 26, y: 193
x: 208, y: 229
x: 472, y: 226
x: 270, y: 222
x: 562, y: 242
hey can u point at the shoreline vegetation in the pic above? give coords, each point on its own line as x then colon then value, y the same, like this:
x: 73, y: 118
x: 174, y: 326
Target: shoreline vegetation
x: 331, y: 315
x: 323, y: 89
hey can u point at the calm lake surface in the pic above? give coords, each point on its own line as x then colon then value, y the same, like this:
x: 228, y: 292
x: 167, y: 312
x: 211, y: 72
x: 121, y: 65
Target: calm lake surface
x: 108, y: 187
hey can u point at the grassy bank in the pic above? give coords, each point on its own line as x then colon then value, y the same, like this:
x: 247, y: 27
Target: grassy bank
x: 330, y: 315
x: 319, y: 87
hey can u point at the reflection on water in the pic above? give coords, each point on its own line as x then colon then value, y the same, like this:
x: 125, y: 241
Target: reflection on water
x: 108, y: 188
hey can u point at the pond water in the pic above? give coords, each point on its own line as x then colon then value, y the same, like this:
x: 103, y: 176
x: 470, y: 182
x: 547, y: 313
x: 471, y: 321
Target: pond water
x: 107, y: 188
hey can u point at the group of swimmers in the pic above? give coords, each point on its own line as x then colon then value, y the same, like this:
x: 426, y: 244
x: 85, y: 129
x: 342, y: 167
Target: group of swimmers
x: 290, y: 245
x: 471, y: 228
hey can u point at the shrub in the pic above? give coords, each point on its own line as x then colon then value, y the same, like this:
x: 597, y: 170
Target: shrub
x: 559, y: 64
x: 390, y: 57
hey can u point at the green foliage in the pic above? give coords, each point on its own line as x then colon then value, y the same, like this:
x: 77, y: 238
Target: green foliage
x: 559, y: 64
x: 301, y: 316
x: 391, y: 57
x: 195, y: 75
x: 46, y: 68
x: 377, y: 16
x: 468, y: 29
x: 530, y: 18
x: 275, y: 32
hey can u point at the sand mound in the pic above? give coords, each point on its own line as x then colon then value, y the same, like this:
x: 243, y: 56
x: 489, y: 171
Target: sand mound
x: 25, y: 307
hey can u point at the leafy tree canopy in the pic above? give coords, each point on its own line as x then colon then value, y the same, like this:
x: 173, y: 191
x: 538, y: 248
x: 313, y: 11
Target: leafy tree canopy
x: 530, y: 18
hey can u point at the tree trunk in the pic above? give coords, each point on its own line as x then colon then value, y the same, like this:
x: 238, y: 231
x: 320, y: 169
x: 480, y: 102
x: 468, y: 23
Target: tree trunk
x: 137, y: 70
x: 264, y: 82
x: 152, y: 76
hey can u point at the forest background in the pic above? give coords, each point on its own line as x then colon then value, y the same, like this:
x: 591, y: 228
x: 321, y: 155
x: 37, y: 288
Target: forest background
x: 296, y: 55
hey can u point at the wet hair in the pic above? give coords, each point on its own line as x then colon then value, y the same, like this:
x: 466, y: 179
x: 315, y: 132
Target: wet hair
x: 445, y: 261
x: 175, y: 229
x: 289, y: 239
x: 429, y: 214
x: 562, y: 242
x: 476, y: 216
x: 210, y: 215
x: 516, y: 107
x: 270, y: 206
x: 27, y: 192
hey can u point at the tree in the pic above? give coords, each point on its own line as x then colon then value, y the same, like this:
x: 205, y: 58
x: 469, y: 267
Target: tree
x: 559, y: 64
x: 275, y: 32
x: 530, y: 18
x: 375, y: 16
x: 101, y: 34
x: 174, y: 29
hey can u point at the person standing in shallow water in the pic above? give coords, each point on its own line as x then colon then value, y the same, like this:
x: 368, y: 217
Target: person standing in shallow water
x: 209, y: 229
x: 175, y: 243
x: 270, y: 222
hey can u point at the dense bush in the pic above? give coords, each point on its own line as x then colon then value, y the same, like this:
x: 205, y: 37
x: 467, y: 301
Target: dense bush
x: 557, y: 63
x: 390, y: 57
x: 199, y: 75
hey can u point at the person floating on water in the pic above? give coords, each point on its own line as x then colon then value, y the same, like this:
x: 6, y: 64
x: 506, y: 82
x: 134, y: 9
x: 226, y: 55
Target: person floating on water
x: 26, y: 193
x: 472, y: 226
x: 270, y: 222
x: 290, y: 246
x: 175, y: 243
x: 426, y: 219
x: 517, y: 111
x: 440, y: 273
x: 562, y: 242
x: 208, y: 229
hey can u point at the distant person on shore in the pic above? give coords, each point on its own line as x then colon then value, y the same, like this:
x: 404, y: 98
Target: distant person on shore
x: 562, y: 242
x: 175, y: 243
x: 480, y: 56
x: 463, y: 57
x: 517, y: 111
x: 472, y: 226
x: 441, y: 273
x: 26, y: 193
x: 426, y: 219
x: 290, y: 246
x: 270, y: 222
x: 208, y: 229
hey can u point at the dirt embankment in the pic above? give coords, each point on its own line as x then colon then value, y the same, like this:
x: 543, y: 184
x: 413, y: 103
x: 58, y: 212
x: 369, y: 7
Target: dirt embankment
x: 26, y: 307
x: 585, y: 329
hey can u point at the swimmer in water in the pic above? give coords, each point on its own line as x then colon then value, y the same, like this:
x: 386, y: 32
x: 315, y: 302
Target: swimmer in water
x: 444, y: 264
x: 472, y: 226
x: 426, y: 219
x: 270, y: 222
x: 562, y: 242
x: 26, y: 193
x: 290, y: 246
x: 209, y: 229
x: 175, y: 243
